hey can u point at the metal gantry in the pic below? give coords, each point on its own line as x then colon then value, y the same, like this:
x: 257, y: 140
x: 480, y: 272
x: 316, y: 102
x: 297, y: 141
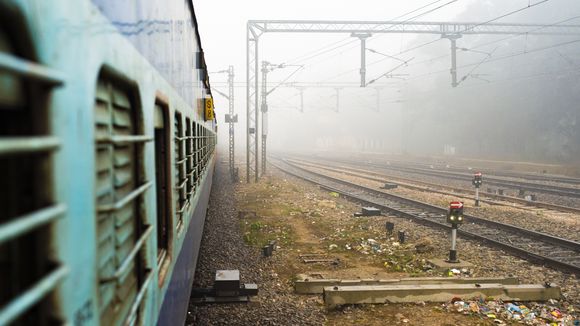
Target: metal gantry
x: 231, y: 119
x: 252, y: 37
x: 364, y: 30
x: 264, y: 107
x: 266, y: 68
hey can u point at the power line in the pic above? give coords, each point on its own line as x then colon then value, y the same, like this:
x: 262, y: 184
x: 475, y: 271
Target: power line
x: 393, y: 25
x: 487, y: 43
x: 500, y: 58
x: 413, y: 11
x: 551, y: 74
x: 307, y: 54
x: 475, y: 47
x: 381, y: 60
x: 285, y: 80
x: 504, y: 15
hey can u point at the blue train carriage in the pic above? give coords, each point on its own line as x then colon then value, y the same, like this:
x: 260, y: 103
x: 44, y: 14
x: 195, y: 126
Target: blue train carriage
x: 106, y: 160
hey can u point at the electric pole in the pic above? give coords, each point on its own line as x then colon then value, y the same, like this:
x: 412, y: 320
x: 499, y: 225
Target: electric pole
x: 337, y: 89
x: 266, y: 68
x: 264, y: 107
x: 453, y: 38
x: 363, y: 49
x: 301, y: 90
x: 378, y: 91
x: 231, y: 119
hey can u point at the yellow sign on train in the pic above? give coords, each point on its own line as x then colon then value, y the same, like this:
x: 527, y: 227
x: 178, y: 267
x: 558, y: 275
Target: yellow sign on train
x: 208, y: 109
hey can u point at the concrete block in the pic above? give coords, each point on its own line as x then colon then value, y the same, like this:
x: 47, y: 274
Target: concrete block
x: 371, y: 211
x: 305, y: 285
x: 388, y: 186
x: 227, y: 282
x: 442, y: 265
x: 340, y: 295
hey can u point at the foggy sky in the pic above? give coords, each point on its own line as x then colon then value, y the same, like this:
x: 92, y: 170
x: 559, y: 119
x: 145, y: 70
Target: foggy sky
x: 499, y: 110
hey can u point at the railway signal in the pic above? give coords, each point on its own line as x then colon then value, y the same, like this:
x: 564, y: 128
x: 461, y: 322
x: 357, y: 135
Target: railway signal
x: 477, y: 182
x: 455, y: 217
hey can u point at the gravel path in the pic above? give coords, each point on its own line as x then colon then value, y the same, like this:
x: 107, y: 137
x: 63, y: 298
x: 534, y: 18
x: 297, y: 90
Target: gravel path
x: 223, y: 247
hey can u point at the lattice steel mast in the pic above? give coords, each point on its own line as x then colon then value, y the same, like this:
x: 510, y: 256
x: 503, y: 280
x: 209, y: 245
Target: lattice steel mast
x: 231, y: 118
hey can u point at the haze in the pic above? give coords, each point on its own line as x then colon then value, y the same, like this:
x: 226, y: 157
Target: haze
x: 517, y: 97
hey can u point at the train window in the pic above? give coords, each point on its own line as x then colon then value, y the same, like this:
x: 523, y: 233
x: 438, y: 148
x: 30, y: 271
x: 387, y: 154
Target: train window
x: 189, y: 155
x: 180, y: 178
x: 194, y: 127
x: 27, y: 205
x: 203, y: 148
x: 120, y: 185
x: 198, y: 156
x: 162, y: 172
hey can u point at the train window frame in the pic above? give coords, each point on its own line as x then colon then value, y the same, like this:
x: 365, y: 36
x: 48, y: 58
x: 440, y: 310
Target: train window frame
x: 120, y: 136
x: 189, y: 157
x: 180, y: 177
x: 37, y: 165
x: 195, y: 176
x: 203, y: 149
x: 164, y: 256
x: 198, y: 163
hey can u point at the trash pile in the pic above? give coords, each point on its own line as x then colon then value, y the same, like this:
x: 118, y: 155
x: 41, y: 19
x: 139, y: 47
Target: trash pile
x: 550, y: 313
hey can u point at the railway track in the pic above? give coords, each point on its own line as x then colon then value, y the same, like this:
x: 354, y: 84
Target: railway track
x: 541, y: 248
x: 490, y: 180
x: 492, y: 172
x: 496, y: 199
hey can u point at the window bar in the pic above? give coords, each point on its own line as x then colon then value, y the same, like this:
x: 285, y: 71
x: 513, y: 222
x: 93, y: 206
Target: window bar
x: 183, y: 138
x: 26, y: 300
x: 183, y: 208
x: 17, y: 145
x: 30, y: 69
x: 125, y: 200
x: 180, y: 162
x: 118, y: 140
x: 127, y: 261
x: 135, y: 307
x: 181, y: 185
x: 26, y: 223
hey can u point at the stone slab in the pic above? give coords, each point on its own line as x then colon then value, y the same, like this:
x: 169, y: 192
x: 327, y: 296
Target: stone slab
x: 379, y: 294
x: 442, y: 265
x: 305, y: 285
x: 371, y: 211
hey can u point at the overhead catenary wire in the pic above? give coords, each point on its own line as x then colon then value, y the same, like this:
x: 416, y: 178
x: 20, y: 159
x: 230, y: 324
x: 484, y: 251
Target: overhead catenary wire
x: 355, y: 40
x: 430, y: 60
x: 500, y: 58
x: 475, y: 47
x: 530, y: 5
x: 398, y: 23
x: 381, y: 60
x: 285, y: 80
x: 312, y: 54
x: 551, y: 74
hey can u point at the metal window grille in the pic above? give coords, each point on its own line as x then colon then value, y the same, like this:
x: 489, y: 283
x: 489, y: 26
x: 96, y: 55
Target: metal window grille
x: 189, y: 154
x: 180, y: 174
x: 28, y: 273
x: 121, y: 234
x: 198, y: 164
x: 194, y: 152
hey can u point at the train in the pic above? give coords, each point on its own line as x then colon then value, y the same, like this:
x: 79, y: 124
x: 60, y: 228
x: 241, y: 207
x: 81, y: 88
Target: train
x: 107, y: 153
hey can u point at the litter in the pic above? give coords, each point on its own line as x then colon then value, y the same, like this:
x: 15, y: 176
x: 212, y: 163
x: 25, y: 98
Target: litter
x: 549, y: 313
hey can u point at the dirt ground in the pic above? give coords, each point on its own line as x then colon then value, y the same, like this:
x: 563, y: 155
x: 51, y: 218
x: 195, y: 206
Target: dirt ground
x: 306, y: 220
